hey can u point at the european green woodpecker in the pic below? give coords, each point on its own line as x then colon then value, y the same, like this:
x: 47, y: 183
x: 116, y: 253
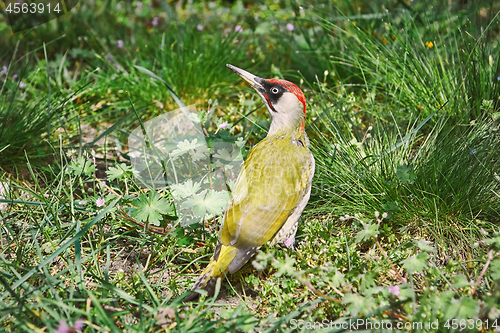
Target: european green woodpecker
x: 272, y: 188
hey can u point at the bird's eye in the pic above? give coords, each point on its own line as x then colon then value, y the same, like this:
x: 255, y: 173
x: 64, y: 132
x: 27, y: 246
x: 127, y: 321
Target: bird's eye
x: 275, y: 90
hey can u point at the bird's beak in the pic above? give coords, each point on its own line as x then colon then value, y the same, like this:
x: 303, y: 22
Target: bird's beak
x: 253, y: 80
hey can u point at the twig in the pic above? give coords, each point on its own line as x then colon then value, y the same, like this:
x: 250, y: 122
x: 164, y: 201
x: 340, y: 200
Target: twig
x: 490, y: 257
x: 402, y: 279
x: 309, y: 285
x: 395, y: 315
x: 150, y: 228
x: 337, y: 291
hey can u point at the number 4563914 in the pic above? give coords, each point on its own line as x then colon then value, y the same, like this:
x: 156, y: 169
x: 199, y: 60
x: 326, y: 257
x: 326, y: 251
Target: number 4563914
x: 31, y: 8
x: 470, y: 324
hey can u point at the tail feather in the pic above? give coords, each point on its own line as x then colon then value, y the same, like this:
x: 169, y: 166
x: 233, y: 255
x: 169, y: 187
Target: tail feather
x: 226, y: 259
x: 209, y: 287
x: 217, y: 267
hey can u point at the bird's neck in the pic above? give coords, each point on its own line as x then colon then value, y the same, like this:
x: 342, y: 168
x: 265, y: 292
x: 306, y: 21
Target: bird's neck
x: 295, y: 132
x: 278, y: 127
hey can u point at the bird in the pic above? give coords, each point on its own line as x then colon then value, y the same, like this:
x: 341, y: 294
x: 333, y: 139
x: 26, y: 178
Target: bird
x: 272, y: 188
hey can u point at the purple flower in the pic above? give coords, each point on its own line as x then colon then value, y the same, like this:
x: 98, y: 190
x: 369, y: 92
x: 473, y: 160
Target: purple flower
x: 498, y: 77
x: 238, y: 28
x: 22, y: 84
x: 4, y: 70
x: 223, y: 125
x: 118, y: 6
x: 394, y: 290
x: 289, y: 242
x: 100, y: 202
x: 64, y: 328
x: 155, y: 22
x: 473, y: 151
x: 79, y: 324
x: 119, y: 43
x: 138, y: 4
x: 290, y: 27
x: 150, y: 5
x: 199, y: 27
x: 14, y: 76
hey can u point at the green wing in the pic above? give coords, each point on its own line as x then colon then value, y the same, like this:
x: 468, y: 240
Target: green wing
x: 271, y: 184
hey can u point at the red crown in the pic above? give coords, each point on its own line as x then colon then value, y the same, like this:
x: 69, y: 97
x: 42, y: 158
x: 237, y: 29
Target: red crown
x: 291, y: 88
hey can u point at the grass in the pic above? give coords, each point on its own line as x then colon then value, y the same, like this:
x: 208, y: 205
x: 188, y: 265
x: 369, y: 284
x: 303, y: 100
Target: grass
x: 403, y: 118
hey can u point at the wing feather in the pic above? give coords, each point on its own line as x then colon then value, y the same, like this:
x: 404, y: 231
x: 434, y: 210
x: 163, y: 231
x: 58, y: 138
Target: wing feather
x: 273, y: 181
